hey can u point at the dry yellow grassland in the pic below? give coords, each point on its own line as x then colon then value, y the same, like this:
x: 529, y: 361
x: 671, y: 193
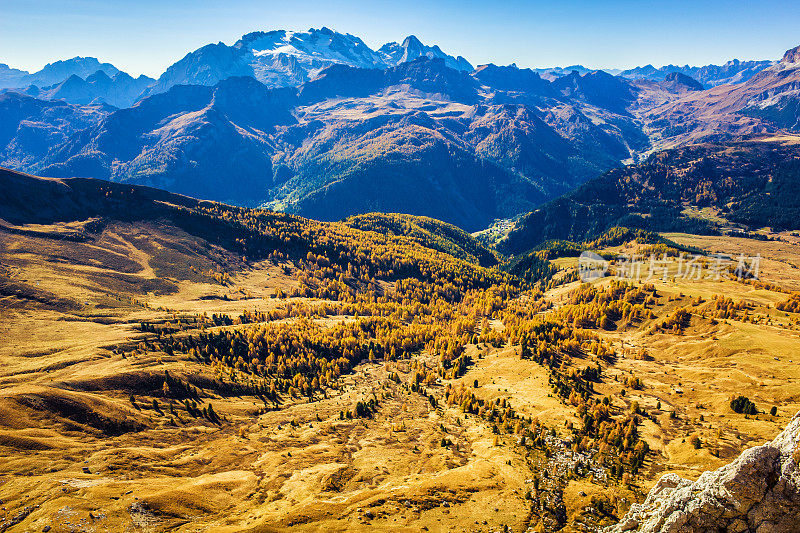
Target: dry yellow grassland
x: 76, y: 454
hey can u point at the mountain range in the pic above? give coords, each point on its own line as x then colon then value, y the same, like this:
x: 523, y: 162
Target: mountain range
x: 733, y: 71
x: 767, y: 102
x: 120, y: 90
x: 282, y: 58
x: 54, y: 73
x: 420, y: 138
x: 288, y: 59
x: 319, y: 124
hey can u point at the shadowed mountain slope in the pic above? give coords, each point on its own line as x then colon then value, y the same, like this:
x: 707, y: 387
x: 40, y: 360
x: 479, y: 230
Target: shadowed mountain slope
x: 753, y: 183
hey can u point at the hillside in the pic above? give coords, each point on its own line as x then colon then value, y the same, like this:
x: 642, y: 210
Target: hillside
x: 160, y: 352
x: 183, y: 141
x: 701, y: 188
x: 428, y: 232
x: 31, y: 127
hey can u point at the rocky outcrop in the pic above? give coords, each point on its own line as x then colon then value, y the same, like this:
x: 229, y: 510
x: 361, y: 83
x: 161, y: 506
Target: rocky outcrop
x: 792, y: 56
x: 758, y: 492
x: 682, y: 80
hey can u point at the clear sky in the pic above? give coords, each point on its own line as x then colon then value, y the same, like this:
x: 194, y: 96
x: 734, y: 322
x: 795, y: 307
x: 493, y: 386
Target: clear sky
x: 146, y: 36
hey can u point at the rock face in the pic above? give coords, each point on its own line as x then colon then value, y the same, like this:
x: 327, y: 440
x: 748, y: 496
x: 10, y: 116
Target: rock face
x: 792, y: 56
x: 411, y: 49
x: 681, y: 79
x: 758, y: 492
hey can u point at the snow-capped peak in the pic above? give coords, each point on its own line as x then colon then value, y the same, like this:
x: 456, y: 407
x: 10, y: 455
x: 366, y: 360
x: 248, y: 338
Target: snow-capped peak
x: 282, y: 58
x: 314, y: 47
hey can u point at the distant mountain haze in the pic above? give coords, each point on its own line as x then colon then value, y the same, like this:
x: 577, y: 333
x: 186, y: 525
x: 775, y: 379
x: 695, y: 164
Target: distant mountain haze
x: 54, y: 73
x: 120, y: 90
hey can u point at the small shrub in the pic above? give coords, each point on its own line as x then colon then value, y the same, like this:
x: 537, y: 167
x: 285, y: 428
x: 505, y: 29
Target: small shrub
x: 743, y: 405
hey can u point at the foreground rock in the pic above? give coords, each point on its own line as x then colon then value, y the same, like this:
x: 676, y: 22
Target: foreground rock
x: 758, y: 492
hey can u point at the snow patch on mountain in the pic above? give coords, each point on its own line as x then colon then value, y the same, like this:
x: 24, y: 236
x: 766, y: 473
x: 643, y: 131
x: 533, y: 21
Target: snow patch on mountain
x: 282, y: 58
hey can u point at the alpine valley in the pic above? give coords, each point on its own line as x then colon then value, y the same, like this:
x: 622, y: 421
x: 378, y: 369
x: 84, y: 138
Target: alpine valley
x: 300, y: 284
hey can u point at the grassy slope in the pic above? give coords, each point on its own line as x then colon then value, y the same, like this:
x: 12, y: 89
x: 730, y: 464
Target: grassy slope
x: 75, y: 289
x: 70, y: 305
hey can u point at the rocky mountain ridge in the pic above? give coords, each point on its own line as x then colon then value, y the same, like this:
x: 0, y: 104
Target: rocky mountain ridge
x: 708, y: 76
x: 54, y: 73
x: 281, y: 58
x: 412, y: 48
x: 120, y: 90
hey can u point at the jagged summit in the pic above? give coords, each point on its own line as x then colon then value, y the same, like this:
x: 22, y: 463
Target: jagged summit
x: 55, y: 72
x: 792, y: 56
x: 412, y: 41
x: 412, y: 48
x: 119, y: 89
x: 79, y: 66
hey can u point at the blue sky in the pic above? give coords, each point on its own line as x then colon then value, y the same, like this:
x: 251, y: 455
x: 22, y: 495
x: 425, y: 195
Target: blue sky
x: 146, y: 36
